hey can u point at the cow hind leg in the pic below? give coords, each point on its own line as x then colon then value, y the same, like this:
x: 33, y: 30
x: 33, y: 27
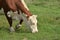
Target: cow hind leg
x: 9, y: 18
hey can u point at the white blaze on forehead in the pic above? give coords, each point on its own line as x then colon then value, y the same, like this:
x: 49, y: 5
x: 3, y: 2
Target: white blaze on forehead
x: 33, y: 19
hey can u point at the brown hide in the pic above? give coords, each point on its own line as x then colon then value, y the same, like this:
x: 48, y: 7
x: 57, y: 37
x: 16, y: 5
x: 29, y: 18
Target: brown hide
x: 13, y: 5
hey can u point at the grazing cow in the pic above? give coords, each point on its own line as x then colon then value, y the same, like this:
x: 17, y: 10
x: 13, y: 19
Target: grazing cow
x: 16, y: 6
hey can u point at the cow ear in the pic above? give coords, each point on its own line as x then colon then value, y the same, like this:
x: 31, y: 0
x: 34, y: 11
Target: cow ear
x: 34, y: 15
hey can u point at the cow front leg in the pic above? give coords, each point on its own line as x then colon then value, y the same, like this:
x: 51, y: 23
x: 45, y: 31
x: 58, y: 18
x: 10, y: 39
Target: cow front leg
x: 19, y: 24
x: 20, y: 19
x: 9, y: 18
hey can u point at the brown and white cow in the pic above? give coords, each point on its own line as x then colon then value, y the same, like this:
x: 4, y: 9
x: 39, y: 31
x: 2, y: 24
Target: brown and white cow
x: 16, y: 6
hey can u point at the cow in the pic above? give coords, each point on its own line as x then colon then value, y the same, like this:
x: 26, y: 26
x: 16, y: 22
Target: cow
x: 17, y: 7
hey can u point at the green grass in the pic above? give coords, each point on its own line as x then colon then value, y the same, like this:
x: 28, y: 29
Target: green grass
x: 48, y: 12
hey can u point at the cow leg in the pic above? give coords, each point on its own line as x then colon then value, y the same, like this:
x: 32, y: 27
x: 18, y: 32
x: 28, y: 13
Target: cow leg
x: 20, y: 21
x: 17, y: 13
x: 9, y: 18
x: 19, y: 24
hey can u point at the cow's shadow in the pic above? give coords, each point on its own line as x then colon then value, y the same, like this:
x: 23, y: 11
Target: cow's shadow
x: 23, y: 31
x: 6, y: 29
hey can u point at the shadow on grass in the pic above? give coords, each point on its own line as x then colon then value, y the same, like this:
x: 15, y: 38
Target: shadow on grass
x: 6, y: 29
x: 23, y: 31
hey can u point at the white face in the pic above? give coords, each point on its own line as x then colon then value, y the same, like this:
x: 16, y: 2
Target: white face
x: 33, y: 23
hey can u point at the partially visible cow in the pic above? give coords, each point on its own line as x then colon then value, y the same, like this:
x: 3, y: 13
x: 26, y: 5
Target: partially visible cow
x: 16, y: 16
x: 16, y: 6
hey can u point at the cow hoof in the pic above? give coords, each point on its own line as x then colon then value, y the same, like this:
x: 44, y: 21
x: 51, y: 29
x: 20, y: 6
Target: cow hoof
x: 12, y: 29
x: 17, y: 26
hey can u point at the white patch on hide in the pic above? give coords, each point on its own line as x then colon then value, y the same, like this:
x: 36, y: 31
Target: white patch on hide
x: 24, y: 4
x: 9, y: 14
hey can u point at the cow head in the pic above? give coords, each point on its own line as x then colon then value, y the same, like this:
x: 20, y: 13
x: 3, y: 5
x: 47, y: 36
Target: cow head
x: 33, y: 23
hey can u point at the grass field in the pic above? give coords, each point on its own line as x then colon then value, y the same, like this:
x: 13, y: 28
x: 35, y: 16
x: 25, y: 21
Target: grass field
x: 48, y: 12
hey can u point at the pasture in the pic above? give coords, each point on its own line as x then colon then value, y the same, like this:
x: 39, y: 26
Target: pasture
x: 48, y: 12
